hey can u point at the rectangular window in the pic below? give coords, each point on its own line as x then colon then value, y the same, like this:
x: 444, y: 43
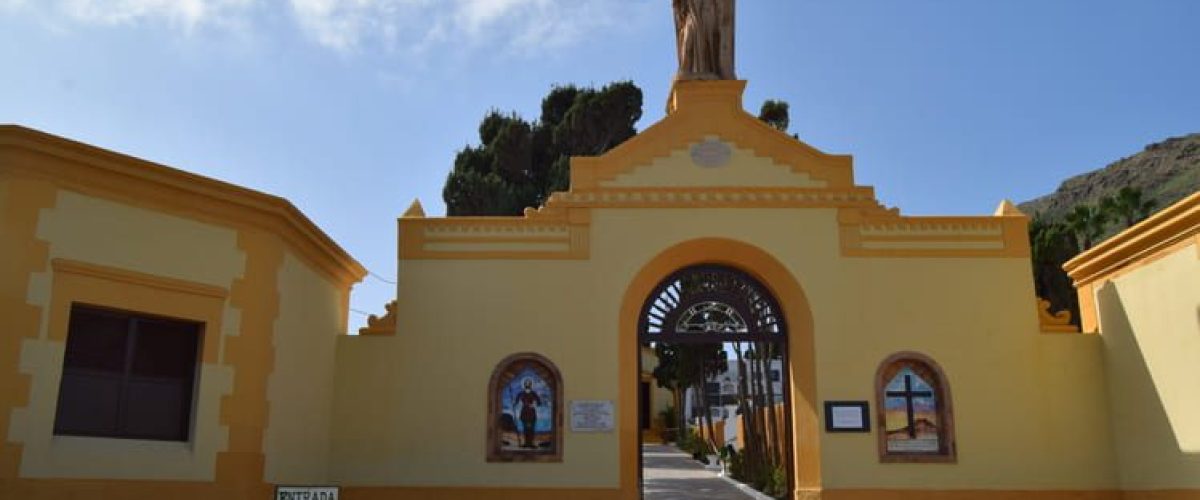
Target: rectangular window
x: 127, y: 375
x: 774, y: 375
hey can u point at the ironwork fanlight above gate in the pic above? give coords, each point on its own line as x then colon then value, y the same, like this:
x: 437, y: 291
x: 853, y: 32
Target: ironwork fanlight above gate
x: 711, y: 303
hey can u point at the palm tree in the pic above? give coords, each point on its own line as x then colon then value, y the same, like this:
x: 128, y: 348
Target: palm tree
x: 1128, y: 206
x: 1087, y: 223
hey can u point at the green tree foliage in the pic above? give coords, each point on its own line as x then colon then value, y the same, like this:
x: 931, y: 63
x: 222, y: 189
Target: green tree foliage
x: 1051, y: 245
x: 775, y: 113
x: 1127, y: 206
x: 1087, y: 224
x: 518, y: 163
x: 684, y: 366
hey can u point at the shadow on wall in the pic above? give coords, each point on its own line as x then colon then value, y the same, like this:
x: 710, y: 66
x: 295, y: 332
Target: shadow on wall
x: 1143, y: 428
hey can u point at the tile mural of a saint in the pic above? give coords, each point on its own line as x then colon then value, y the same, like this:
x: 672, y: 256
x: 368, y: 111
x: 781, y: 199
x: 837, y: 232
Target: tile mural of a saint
x: 525, y: 410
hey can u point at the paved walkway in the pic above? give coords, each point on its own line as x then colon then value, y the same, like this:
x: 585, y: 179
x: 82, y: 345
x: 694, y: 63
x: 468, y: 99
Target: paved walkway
x: 669, y: 474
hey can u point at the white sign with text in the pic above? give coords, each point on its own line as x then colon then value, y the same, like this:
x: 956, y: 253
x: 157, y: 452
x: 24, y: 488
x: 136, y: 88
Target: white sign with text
x: 306, y: 493
x: 592, y: 416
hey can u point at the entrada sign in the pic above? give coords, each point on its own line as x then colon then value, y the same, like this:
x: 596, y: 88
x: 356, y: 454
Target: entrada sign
x: 306, y: 493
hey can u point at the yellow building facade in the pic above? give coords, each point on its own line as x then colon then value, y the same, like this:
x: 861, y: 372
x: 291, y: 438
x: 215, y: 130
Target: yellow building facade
x: 87, y: 227
x: 1034, y: 409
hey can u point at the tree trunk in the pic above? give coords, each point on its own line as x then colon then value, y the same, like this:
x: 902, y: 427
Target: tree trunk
x: 706, y: 419
x: 749, y: 434
x: 680, y: 416
x: 772, y: 425
x: 764, y: 413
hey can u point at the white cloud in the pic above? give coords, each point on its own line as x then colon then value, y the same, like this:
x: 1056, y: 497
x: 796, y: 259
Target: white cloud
x: 187, y: 14
x: 528, y: 26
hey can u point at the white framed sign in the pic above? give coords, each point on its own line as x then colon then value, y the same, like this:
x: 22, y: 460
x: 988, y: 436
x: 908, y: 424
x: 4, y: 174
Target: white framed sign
x: 592, y: 416
x: 847, y: 416
x: 306, y: 492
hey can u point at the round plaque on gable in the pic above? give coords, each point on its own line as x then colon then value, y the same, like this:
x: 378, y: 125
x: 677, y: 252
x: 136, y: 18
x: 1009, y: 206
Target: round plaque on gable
x: 711, y: 153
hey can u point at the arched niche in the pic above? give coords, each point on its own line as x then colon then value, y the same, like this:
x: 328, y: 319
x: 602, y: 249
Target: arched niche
x: 914, y: 412
x: 525, y: 415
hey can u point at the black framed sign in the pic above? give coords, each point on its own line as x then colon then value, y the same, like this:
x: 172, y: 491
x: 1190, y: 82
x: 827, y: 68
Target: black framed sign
x: 306, y: 492
x: 847, y: 416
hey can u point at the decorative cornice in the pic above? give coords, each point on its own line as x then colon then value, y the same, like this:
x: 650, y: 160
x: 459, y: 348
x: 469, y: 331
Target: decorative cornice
x: 92, y: 170
x: 68, y: 266
x: 1059, y: 322
x: 1143, y: 242
x: 385, y: 325
x: 712, y: 111
x: 888, y: 234
x: 707, y: 108
x: 549, y: 234
x: 716, y: 197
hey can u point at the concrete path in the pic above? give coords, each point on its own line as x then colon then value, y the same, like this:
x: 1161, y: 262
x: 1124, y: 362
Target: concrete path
x: 669, y: 474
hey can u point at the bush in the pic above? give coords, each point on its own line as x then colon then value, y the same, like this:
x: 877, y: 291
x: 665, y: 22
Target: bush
x: 669, y: 421
x: 695, y: 444
x: 777, y: 486
x: 737, y: 465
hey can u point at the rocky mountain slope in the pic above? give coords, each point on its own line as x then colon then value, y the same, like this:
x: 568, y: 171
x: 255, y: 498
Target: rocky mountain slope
x: 1165, y: 172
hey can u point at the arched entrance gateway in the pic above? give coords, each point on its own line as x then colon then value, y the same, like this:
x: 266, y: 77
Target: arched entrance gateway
x: 720, y: 342
x: 730, y: 333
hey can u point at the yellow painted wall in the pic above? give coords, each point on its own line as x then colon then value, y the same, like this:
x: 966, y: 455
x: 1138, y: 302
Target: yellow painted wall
x: 1150, y: 324
x: 92, y: 230
x: 120, y: 238
x: 99, y: 231
x: 4, y: 183
x: 300, y: 387
x: 411, y: 409
x: 974, y: 316
x: 1030, y: 408
x: 81, y: 224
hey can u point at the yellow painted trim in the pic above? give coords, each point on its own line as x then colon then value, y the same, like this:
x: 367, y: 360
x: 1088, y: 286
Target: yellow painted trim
x: 769, y: 271
x: 55, y: 489
x: 895, y: 235
x: 1161, y: 495
x: 251, y: 353
x: 476, y: 493
x: 415, y: 210
x: 135, y: 278
x: 898, y: 494
x: 381, y: 325
x: 700, y: 109
x: 1136, y: 246
x: 419, y: 238
x: 1160, y: 235
x: 92, y: 170
x: 96, y: 285
x: 1089, y: 316
x: 703, y: 109
x: 21, y: 255
x: 716, y: 197
x: 1059, y: 322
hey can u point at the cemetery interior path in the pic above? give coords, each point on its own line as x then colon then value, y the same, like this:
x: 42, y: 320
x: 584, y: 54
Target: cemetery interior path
x: 670, y: 474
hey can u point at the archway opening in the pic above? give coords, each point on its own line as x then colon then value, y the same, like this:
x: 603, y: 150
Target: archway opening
x: 714, y: 361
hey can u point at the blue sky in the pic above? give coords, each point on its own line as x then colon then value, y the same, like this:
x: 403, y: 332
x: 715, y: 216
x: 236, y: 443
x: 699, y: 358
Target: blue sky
x: 353, y: 108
